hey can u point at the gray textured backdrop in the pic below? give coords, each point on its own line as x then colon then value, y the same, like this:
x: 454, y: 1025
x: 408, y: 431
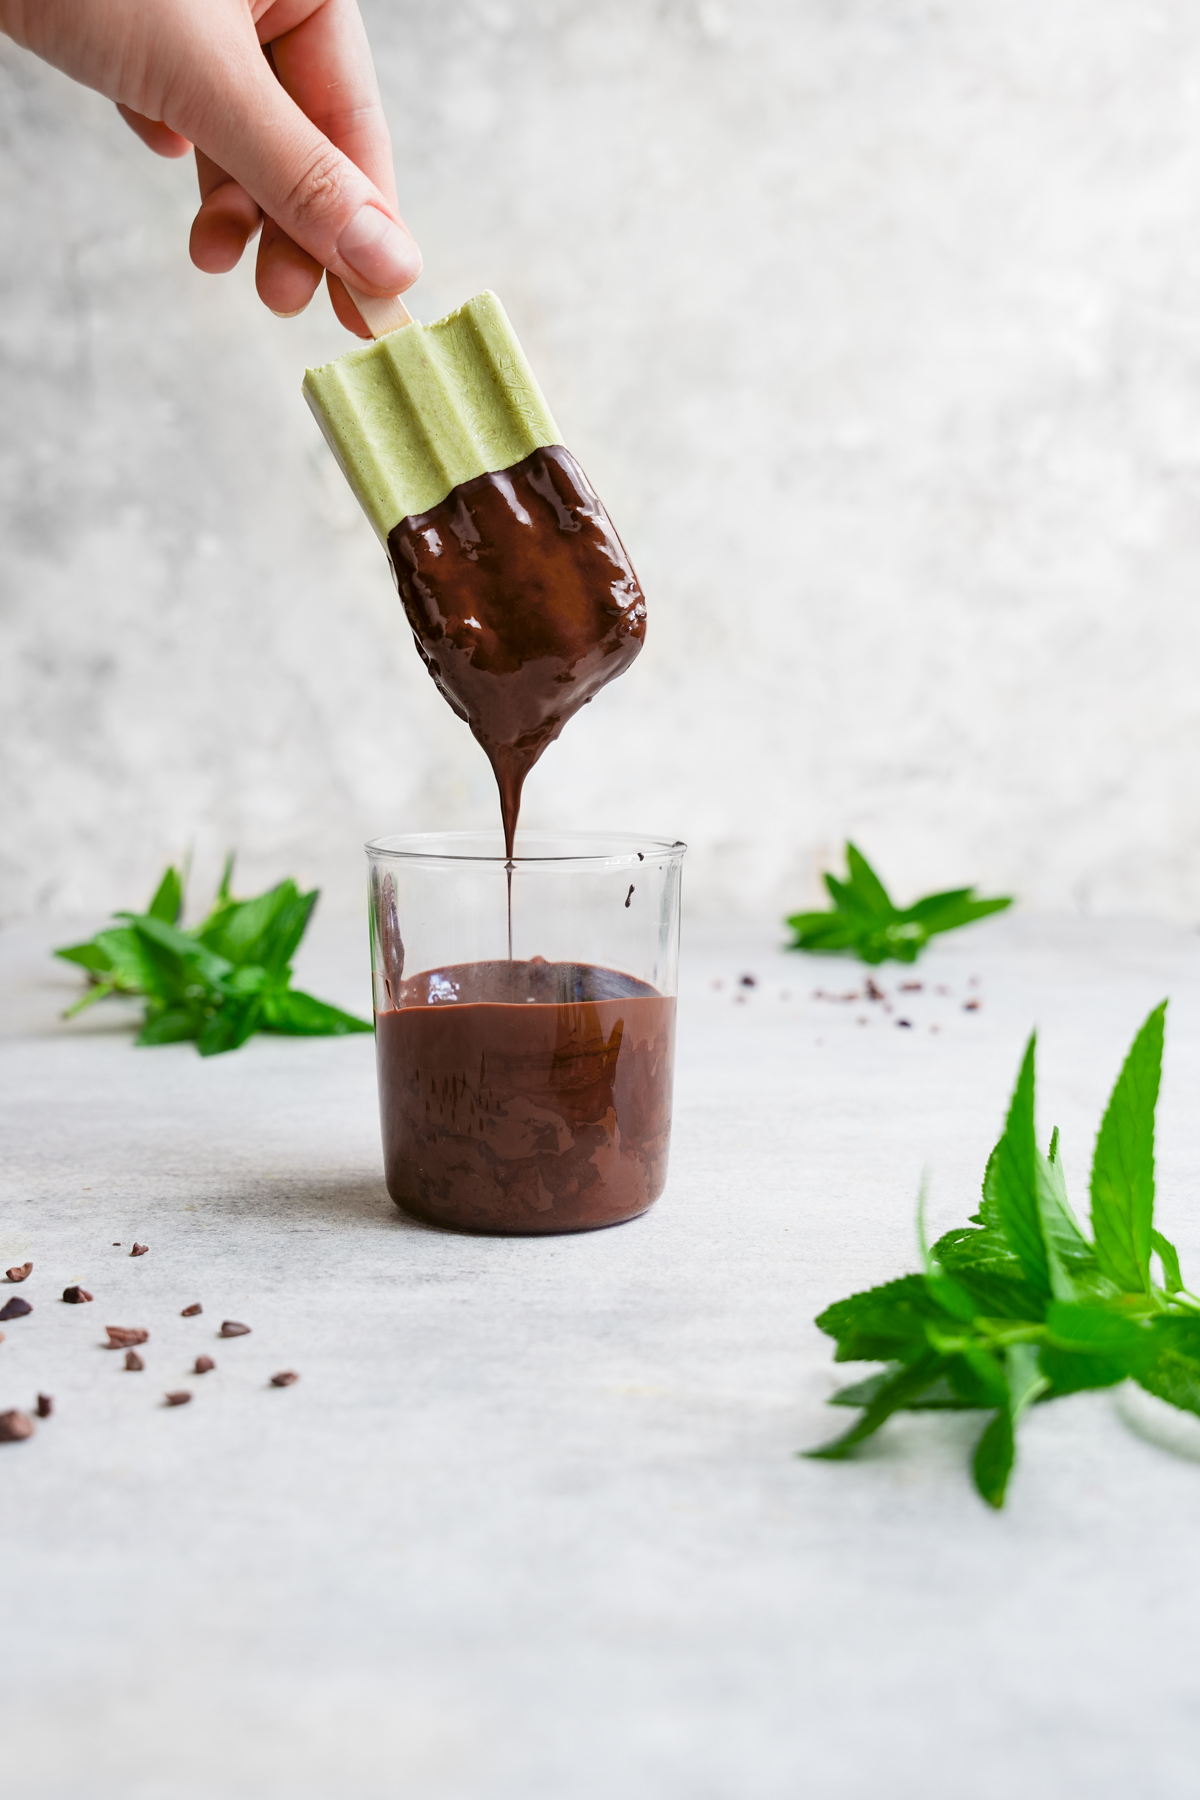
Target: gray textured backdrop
x: 876, y: 322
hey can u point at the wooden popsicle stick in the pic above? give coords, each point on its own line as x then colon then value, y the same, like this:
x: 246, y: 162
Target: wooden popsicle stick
x: 380, y: 316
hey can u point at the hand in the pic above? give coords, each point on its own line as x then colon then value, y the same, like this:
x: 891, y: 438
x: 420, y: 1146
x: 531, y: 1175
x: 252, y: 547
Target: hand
x: 296, y: 144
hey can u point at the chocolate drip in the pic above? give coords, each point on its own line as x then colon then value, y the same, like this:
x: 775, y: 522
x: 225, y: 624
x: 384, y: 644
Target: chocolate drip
x: 525, y: 1097
x: 523, y: 604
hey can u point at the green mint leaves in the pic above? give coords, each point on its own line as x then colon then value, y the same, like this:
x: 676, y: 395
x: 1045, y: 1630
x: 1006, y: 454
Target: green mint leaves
x: 864, y: 922
x: 218, y: 983
x: 1020, y: 1307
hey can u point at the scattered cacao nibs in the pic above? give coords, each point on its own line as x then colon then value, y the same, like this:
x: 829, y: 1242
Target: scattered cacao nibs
x: 231, y: 1328
x: 178, y: 1397
x: 1, y: 1337
x: 116, y: 1243
x: 285, y: 1378
x: 874, y: 991
x: 911, y: 987
x: 629, y: 895
x: 640, y: 857
x: 45, y: 1405
x: 747, y: 980
x: 121, y: 1336
x: 972, y: 1005
x: 133, y: 1362
x: 189, y: 1312
x: 77, y: 1296
x: 204, y: 1365
x: 16, y: 1308
x: 139, y: 1250
x: 907, y: 1023
x: 14, y: 1426
x: 860, y: 1021
x: 20, y: 1273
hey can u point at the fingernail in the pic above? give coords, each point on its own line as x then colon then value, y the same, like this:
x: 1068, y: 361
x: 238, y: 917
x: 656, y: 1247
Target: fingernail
x: 379, y: 250
x: 294, y: 314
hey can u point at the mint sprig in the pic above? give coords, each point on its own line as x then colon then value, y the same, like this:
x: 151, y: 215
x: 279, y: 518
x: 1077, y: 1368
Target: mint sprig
x: 217, y: 983
x: 1020, y: 1307
x: 865, y: 922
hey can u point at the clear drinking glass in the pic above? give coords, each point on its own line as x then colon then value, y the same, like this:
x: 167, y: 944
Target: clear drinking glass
x: 525, y: 1025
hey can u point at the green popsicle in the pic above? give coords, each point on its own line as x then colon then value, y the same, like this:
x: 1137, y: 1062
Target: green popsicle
x: 417, y: 412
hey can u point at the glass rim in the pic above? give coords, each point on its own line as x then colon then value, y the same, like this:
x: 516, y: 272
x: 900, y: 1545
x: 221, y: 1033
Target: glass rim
x: 624, y: 846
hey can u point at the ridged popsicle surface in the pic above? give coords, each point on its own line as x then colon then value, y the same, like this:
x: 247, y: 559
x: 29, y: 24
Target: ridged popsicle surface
x: 429, y: 406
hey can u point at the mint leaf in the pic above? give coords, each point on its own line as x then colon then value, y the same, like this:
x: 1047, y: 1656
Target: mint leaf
x: 1073, y: 1372
x: 251, y: 978
x: 184, y: 955
x: 132, y: 965
x: 1169, y: 1363
x: 217, y: 983
x: 944, y: 1393
x: 1088, y: 1347
x: 1074, y: 1271
x: 299, y: 1015
x: 88, y: 956
x: 823, y: 932
x: 996, y: 1451
x: 898, y: 1391
x: 866, y: 922
x: 1092, y: 1330
x: 1016, y: 1195
x: 999, y: 1296
x: 1168, y: 1256
x: 868, y: 891
x: 861, y: 1393
x: 174, y: 1025
x: 167, y: 903
x: 265, y: 930
x: 880, y: 1324
x: 994, y: 1457
x: 986, y: 1370
x: 228, y: 1027
x: 952, y: 1296
x: 978, y: 1385
x: 1123, y: 1165
x: 984, y: 1251
x: 947, y: 912
x: 1025, y: 1380
x: 1019, y: 1308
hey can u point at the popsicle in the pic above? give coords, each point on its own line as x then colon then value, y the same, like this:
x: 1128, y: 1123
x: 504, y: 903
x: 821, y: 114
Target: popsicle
x: 521, y: 597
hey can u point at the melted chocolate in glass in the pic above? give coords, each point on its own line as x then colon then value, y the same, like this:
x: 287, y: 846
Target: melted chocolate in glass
x: 523, y: 604
x: 525, y: 1097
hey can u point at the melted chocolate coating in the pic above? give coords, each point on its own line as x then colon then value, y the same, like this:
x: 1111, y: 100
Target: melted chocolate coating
x: 523, y: 604
x: 525, y: 1097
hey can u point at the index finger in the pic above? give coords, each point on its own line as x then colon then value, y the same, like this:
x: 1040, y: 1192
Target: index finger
x: 324, y: 63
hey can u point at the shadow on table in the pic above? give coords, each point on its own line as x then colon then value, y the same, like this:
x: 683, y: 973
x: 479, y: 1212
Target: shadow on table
x: 1157, y: 1422
x: 317, y: 1197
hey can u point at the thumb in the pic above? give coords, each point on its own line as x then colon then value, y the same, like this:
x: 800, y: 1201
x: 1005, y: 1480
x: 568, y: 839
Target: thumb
x: 253, y: 129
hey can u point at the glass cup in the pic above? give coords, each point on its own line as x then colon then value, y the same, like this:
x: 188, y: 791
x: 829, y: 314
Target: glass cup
x: 525, y: 1025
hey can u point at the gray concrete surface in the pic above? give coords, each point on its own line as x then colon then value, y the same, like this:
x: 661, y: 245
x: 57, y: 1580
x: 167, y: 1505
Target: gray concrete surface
x: 531, y: 1526
x: 875, y: 322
